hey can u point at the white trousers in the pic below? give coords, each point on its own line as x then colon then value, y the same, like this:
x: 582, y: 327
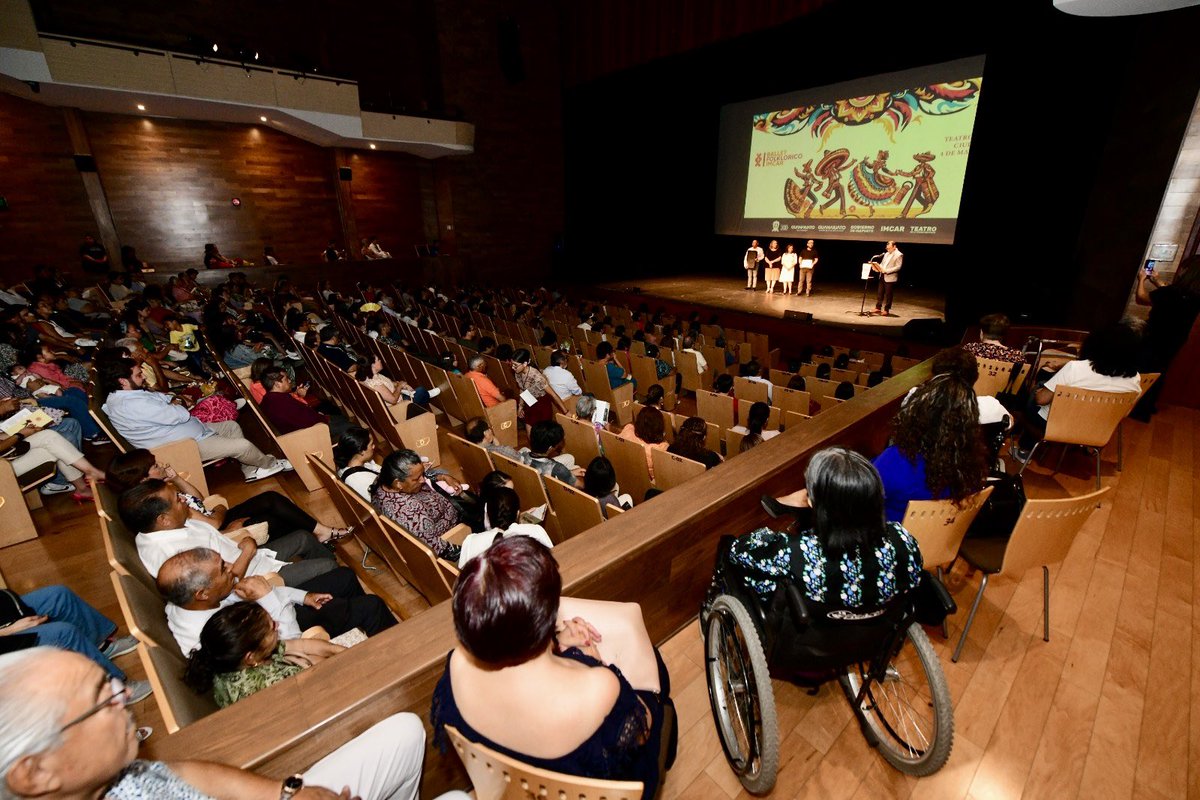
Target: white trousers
x: 381, y: 763
x: 49, y: 446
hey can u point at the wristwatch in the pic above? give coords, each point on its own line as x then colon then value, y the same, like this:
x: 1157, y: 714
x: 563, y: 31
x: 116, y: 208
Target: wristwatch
x: 291, y: 786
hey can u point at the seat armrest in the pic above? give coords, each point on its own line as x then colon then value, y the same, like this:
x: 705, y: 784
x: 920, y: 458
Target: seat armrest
x: 457, y: 534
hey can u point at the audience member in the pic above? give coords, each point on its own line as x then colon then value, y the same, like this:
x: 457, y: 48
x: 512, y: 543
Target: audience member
x: 514, y: 679
x: 938, y: 452
x: 403, y: 494
x: 1107, y: 363
x: 1173, y: 311
x: 148, y: 419
x: 282, y: 516
x: 54, y: 616
x: 753, y: 431
x: 288, y: 414
x: 163, y: 526
x: 617, y: 376
x: 531, y: 381
x: 198, y: 582
x: 649, y: 430
x: 478, y: 431
x: 354, y: 457
x: 560, y: 378
x: 489, y: 393
x: 76, y: 740
x: 600, y: 481
x: 992, y: 330
x: 503, y: 508
x: 546, y: 445
x: 691, y: 441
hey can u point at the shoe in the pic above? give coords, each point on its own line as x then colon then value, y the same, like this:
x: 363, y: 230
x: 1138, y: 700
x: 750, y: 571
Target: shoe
x: 280, y: 465
x: 50, y: 487
x: 337, y: 535
x: 99, y: 440
x: 80, y: 498
x: 119, y: 647
x: 775, y: 508
x: 137, y: 691
x: 295, y: 356
x: 240, y: 403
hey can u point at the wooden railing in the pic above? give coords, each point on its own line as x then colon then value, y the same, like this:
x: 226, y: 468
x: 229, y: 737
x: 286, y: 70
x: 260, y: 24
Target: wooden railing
x: 660, y: 554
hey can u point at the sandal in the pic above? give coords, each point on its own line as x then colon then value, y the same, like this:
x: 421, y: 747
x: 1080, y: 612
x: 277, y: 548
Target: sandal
x: 337, y: 534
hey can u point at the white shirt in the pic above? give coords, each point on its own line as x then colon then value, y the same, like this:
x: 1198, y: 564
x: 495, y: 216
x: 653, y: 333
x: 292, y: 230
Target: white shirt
x: 758, y: 252
x: 562, y: 381
x: 770, y: 386
x: 476, y: 543
x: 186, y: 624
x: 744, y: 431
x: 1081, y: 375
x: 362, y: 480
x: 155, y: 548
x: 700, y: 362
x: 789, y: 260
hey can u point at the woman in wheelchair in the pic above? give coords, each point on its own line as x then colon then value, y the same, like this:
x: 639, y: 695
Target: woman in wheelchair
x: 844, y: 553
x: 842, y: 595
x: 538, y: 681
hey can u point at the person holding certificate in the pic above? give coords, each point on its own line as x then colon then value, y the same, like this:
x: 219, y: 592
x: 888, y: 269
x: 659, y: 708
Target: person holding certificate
x: 808, y: 262
x: 787, y: 272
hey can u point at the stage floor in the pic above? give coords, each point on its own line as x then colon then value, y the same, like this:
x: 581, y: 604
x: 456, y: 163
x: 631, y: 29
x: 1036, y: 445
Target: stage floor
x: 830, y: 304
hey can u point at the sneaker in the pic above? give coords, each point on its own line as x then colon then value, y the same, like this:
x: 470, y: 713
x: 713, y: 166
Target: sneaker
x: 280, y: 465
x: 119, y: 647
x: 99, y: 440
x: 295, y: 356
x: 50, y: 487
x: 137, y: 691
x: 240, y: 403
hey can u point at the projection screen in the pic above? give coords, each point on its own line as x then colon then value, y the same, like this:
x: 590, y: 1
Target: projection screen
x: 882, y: 157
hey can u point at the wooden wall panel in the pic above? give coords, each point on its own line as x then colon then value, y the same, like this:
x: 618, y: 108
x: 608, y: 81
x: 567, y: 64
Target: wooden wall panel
x: 48, y: 209
x: 386, y: 193
x: 170, y: 184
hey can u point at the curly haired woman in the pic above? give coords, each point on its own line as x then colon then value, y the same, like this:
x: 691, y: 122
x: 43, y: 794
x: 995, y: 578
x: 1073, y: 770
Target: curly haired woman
x: 938, y: 452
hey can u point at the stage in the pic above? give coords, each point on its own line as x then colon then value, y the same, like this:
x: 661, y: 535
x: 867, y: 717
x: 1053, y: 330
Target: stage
x: 830, y: 304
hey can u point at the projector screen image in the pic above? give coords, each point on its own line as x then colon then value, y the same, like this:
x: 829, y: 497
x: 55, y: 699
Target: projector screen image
x: 878, y: 158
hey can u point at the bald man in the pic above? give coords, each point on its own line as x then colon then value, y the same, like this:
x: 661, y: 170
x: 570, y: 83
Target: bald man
x: 65, y: 733
x: 198, y: 582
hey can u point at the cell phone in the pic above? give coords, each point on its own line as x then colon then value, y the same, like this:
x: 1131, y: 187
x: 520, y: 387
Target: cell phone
x: 1149, y: 267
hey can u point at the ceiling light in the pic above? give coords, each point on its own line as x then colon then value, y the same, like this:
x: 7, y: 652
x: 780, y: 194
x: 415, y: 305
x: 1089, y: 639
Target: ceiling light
x: 256, y: 55
x: 141, y: 107
x: 215, y: 48
x: 264, y: 119
x: 372, y: 146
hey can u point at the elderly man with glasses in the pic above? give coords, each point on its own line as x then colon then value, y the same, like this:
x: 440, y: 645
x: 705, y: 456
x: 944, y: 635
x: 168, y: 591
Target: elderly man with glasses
x: 64, y: 732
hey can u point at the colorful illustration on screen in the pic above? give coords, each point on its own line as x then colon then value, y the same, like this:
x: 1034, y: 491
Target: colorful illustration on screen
x: 865, y: 157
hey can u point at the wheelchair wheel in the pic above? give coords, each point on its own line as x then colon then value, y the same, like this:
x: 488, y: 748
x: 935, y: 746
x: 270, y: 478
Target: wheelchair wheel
x: 739, y: 690
x: 909, y: 715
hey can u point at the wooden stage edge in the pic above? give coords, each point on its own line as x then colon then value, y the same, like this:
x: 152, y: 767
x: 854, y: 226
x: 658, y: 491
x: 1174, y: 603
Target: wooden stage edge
x: 834, y: 305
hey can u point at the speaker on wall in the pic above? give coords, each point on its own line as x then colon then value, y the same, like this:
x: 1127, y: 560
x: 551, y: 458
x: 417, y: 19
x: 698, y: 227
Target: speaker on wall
x: 85, y: 163
x: 512, y: 63
x: 345, y: 173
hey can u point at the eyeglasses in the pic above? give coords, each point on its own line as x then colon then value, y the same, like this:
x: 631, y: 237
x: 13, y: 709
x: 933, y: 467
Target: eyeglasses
x: 119, y: 696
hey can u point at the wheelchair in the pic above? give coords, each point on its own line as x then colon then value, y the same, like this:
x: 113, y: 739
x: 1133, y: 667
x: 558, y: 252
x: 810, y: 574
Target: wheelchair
x: 882, y: 660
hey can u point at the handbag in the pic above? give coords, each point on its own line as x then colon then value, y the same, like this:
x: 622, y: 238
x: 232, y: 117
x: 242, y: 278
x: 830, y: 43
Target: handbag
x: 13, y: 608
x: 1000, y: 513
x: 932, y: 601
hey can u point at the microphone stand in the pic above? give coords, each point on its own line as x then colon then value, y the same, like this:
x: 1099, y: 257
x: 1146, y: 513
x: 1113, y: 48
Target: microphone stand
x: 862, y: 308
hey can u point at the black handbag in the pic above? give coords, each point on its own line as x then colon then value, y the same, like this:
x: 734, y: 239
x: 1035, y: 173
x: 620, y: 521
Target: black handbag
x: 932, y: 601
x: 1000, y: 513
x: 12, y: 608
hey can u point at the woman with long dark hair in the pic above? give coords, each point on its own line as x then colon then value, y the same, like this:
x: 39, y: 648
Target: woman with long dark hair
x: 240, y: 653
x: 938, y: 451
x: 846, y: 553
x: 691, y: 441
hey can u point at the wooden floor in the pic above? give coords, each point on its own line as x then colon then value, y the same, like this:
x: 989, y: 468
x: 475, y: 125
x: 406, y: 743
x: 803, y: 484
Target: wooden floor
x: 1109, y: 708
